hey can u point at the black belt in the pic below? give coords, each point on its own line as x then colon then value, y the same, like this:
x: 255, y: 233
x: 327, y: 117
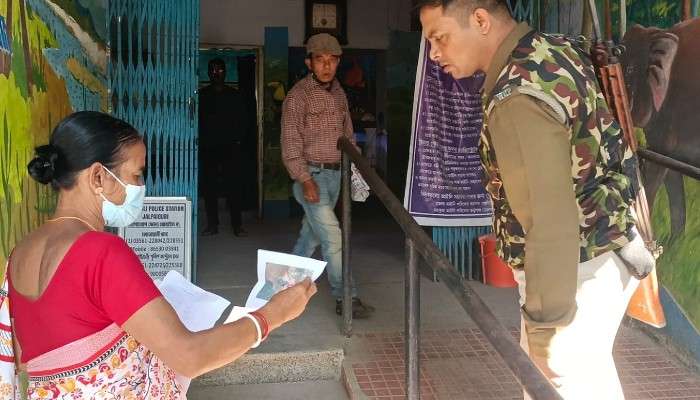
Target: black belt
x: 333, y: 166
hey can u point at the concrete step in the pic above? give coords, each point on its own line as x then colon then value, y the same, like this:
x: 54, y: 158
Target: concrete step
x: 294, y: 366
x: 310, y: 390
x: 283, y: 358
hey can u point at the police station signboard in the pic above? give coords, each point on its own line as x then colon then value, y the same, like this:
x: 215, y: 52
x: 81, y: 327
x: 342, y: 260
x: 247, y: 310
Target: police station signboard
x: 443, y: 183
x: 162, y: 236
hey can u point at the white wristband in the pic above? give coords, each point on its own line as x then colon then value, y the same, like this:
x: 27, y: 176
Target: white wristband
x: 257, y: 328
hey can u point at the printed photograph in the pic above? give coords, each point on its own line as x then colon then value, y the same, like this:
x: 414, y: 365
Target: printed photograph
x: 279, y: 277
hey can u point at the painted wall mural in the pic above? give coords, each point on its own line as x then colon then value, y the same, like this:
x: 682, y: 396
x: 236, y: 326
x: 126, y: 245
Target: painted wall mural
x: 52, y: 61
x: 662, y: 69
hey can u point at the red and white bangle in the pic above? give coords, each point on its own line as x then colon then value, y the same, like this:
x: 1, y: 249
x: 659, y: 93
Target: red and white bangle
x: 262, y: 327
x: 264, y: 324
x: 257, y: 329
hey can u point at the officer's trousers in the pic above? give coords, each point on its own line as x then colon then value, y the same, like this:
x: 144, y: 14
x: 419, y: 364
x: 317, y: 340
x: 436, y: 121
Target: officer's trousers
x: 581, y: 353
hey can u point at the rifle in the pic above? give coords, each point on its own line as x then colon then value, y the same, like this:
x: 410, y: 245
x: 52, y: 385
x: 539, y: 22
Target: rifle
x: 645, y: 305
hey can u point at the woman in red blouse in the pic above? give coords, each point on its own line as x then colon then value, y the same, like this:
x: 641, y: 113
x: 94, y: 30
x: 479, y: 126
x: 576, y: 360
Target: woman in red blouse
x: 88, y: 321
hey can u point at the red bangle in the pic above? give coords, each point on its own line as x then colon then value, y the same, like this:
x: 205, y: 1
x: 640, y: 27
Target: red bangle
x: 264, y: 325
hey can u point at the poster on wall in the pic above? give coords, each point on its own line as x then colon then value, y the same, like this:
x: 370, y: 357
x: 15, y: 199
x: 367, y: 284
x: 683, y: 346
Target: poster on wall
x: 444, y: 180
x: 162, y: 236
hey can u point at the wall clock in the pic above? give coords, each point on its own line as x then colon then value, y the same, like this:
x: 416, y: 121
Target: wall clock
x: 327, y: 16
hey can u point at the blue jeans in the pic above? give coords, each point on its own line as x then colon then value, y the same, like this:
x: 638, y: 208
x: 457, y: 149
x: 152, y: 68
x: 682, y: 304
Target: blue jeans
x: 321, y: 226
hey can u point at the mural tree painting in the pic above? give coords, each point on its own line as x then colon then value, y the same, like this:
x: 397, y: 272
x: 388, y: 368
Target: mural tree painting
x: 6, y: 47
x: 8, y: 20
x: 25, y: 43
x: 659, y: 13
x: 34, y: 96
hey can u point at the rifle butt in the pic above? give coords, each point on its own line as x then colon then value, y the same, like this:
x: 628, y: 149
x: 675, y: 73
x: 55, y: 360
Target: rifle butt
x: 645, y: 305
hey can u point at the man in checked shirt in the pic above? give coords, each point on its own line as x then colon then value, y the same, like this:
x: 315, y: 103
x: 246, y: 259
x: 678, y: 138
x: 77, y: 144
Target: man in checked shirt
x: 314, y: 115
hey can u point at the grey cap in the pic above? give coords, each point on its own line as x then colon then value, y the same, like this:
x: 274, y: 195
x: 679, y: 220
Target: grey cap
x: 323, y: 43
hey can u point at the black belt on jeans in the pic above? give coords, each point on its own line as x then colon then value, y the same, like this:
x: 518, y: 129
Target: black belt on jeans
x: 333, y: 166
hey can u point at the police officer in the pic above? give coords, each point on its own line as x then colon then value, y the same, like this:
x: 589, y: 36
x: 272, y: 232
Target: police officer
x: 556, y: 171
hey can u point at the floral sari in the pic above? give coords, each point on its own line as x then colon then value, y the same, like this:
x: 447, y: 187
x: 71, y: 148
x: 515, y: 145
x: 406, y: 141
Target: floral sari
x: 108, y: 364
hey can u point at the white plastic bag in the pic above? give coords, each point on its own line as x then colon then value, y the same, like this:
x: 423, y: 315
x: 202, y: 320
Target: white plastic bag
x: 359, y: 189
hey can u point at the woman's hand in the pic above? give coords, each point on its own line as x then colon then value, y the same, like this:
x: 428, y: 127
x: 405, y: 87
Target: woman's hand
x: 157, y: 326
x: 288, y: 304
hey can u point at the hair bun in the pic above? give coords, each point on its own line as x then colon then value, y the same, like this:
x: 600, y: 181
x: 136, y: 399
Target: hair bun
x: 43, y: 167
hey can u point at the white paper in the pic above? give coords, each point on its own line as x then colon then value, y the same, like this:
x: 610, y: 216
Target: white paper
x: 197, y: 309
x: 238, y: 313
x: 278, y: 271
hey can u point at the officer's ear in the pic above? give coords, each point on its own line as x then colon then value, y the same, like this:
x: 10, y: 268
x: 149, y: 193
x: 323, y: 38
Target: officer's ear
x: 307, y: 61
x: 481, y: 20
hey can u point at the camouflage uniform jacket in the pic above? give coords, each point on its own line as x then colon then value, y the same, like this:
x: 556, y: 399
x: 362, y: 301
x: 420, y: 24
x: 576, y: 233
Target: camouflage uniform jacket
x: 561, y: 77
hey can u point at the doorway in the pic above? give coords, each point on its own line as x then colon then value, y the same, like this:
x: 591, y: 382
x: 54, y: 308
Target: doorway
x: 242, y: 75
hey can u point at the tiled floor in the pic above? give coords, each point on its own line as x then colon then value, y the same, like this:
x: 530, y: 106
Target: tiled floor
x: 456, y: 360
x: 460, y: 364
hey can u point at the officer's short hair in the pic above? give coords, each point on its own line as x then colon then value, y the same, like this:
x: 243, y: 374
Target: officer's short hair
x: 465, y: 7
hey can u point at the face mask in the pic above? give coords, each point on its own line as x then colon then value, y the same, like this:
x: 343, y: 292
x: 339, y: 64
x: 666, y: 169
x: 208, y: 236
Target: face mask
x: 120, y: 216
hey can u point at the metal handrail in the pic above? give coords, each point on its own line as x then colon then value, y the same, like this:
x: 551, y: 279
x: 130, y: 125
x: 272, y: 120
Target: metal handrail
x: 670, y: 163
x: 529, y: 376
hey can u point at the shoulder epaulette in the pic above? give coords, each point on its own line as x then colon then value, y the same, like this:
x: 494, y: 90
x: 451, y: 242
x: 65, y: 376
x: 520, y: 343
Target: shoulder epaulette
x: 547, y: 99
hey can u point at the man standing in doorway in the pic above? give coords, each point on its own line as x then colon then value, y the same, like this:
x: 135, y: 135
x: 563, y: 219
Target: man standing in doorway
x: 314, y: 116
x: 221, y: 128
x: 561, y: 181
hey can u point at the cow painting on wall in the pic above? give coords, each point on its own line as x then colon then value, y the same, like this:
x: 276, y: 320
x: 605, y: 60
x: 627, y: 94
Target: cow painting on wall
x: 662, y: 72
x: 662, y: 68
